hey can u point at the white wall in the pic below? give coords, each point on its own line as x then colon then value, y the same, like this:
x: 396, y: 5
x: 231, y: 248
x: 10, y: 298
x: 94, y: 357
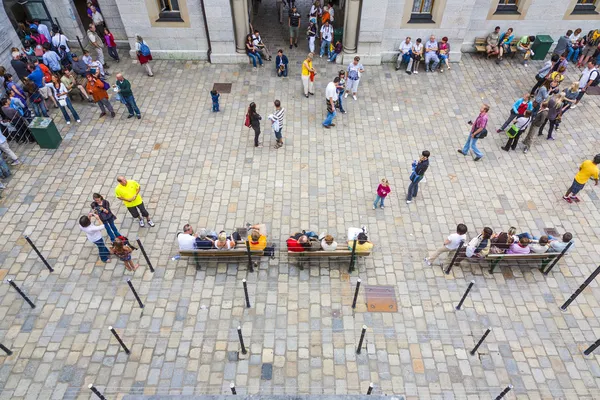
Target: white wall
x: 8, y: 39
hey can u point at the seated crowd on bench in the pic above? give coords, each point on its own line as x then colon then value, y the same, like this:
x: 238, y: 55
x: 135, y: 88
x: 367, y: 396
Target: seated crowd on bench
x: 433, y: 53
x: 309, y: 241
x: 207, y: 240
x: 503, y: 243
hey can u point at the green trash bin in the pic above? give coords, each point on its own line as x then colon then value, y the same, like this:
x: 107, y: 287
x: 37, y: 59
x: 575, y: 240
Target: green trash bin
x: 337, y: 35
x: 45, y: 133
x: 541, y: 46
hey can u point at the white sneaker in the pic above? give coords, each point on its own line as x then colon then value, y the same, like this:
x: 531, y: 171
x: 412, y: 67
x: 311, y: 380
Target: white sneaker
x: 423, y: 180
x: 427, y: 261
x: 346, y: 95
x: 150, y: 222
x: 354, y: 96
x: 142, y: 223
x: 416, y: 72
x: 373, y: 207
x: 16, y: 162
x: 68, y: 122
x: 408, y: 201
x: 573, y: 106
x: 78, y: 120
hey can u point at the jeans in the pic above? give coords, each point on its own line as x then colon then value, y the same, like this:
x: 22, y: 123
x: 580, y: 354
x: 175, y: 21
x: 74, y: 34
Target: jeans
x: 282, y: 73
x: 443, y: 58
x: 70, y: 107
x: 573, y: 54
x: 429, y: 57
x: 278, y: 134
x: 132, y: 106
x: 553, y: 124
x: 325, y: 46
x: 256, y: 135
x: 333, y: 56
x: 379, y: 200
x: 341, y: 101
x: 413, y: 189
x: 102, y: 103
x: 112, y: 230
x: 4, y: 168
x: 254, y: 57
x: 215, y: 106
x: 112, y: 51
x: 329, y: 118
x: 40, y: 109
x: 102, y: 250
x: 511, y: 117
x: 472, y: 144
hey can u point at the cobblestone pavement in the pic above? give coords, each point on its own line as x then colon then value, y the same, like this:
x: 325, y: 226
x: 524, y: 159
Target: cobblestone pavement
x: 201, y: 167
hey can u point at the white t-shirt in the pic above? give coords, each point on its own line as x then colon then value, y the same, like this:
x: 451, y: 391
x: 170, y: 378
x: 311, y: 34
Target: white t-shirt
x: 331, y: 91
x: 56, y: 92
x: 328, y: 247
x: 418, y: 48
x: 186, y: 241
x: 586, y: 75
x: 354, y: 71
x: 455, y: 240
x: 60, y: 40
x: 256, y: 40
x: 93, y: 232
x: 327, y: 32
x: 522, y: 122
x: 97, y: 18
x: 405, y: 47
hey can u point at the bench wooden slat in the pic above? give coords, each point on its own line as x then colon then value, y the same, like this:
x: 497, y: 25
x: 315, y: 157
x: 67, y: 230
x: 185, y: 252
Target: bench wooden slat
x: 530, y: 256
x: 322, y: 253
x: 219, y: 253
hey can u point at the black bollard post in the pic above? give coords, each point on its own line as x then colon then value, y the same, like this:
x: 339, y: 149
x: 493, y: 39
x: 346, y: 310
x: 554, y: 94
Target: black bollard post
x: 460, y: 246
x: 465, y: 295
x: 557, y: 259
x: 232, y: 387
x: 6, y: 349
x: 96, y: 391
x: 23, y: 295
x: 487, y: 332
x: 352, y: 257
x: 503, y: 393
x: 581, y: 288
x: 139, y: 242
x: 589, y: 350
x: 135, y: 293
x: 370, y: 389
x: 119, y: 339
x: 356, y: 292
x: 239, y: 329
x: 246, y: 293
x: 39, y: 254
x: 250, y: 263
x: 362, y: 337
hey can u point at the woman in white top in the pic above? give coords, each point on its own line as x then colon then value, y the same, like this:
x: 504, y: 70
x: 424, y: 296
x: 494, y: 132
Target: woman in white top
x: 61, y: 40
x: 223, y: 242
x: 94, y: 234
x: 61, y: 94
x: 328, y: 243
x: 415, y: 58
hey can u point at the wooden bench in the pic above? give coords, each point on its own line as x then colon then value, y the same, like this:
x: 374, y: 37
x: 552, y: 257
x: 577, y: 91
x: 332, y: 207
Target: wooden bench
x: 481, y: 43
x: 544, y: 258
x: 241, y: 250
x: 304, y: 256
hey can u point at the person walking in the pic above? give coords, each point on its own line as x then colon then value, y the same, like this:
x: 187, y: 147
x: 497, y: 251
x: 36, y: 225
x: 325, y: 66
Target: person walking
x: 95, y: 86
x: 326, y: 35
x: 61, y: 94
x: 94, y: 234
x: 144, y: 55
x: 7, y: 150
x: 544, y: 73
x: 280, y: 7
x: 111, y: 46
x: 588, y: 169
x: 214, y: 96
x: 452, y: 242
x: 279, y: 115
x: 96, y: 43
x: 515, y: 131
x: 341, y: 88
x: 588, y: 76
x: 330, y: 97
x: 308, y: 75
x: 254, y: 122
x: 382, y: 191
x: 538, y: 120
x: 418, y: 172
x: 554, y: 111
x: 311, y: 34
x: 355, y: 69
x: 129, y: 192
x: 478, y: 131
x: 127, y: 96
x: 101, y: 207
x: 294, y: 20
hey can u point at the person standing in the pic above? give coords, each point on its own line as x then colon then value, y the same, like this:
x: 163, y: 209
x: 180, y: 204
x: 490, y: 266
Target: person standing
x: 588, y: 169
x: 129, y: 192
x: 98, y: 20
x: 95, y: 87
x: 127, y: 96
x: 280, y: 6
x: 538, y: 120
x: 311, y: 34
x: 294, y: 25
x: 355, y: 69
x: 478, y: 131
x: 330, y: 97
x: 544, y: 73
x: 94, y: 234
x: 6, y: 149
x: 101, y: 207
x: 123, y: 253
x: 419, y: 168
x: 18, y: 65
x: 144, y: 54
x: 588, y: 76
x: 521, y: 124
x: 61, y: 94
x: 554, y: 111
x: 382, y: 191
x: 307, y: 72
x: 341, y: 88
x: 279, y: 115
x: 254, y: 122
x: 326, y: 35
x: 111, y: 46
x: 518, y: 109
x: 214, y: 96
x: 97, y: 44
x: 51, y: 59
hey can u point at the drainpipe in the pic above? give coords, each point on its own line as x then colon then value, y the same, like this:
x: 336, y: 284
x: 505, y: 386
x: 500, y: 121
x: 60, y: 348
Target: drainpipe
x: 208, y: 53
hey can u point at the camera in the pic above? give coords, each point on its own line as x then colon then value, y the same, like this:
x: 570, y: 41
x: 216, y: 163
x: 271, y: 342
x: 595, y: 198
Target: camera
x: 97, y: 210
x: 470, y: 122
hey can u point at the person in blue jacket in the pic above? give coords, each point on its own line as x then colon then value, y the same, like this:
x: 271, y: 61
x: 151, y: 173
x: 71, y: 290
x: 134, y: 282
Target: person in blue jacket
x: 281, y: 63
x: 504, y: 43
x: 518, y: 110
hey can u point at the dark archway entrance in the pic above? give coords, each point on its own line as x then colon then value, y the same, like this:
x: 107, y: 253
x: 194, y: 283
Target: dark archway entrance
x: 23, y: 12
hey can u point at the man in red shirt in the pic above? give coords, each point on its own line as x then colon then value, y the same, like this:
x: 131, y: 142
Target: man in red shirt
x: 297, y: 242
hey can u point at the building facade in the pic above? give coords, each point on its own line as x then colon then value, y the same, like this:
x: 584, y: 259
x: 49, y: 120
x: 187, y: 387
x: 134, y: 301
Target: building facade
x: 214, y: 30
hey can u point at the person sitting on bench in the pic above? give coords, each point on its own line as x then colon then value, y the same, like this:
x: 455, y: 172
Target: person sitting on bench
x: 557, y: 246
x: 187, y: 238
x: 362, y: 243
x: 478, y: 247
x: 541, y: 246
x: 224, y: 242
x: 298, y: 242
x: 203, y: 241
x: 520, y: 247
x: 257, y: 241
x: 328, y: 243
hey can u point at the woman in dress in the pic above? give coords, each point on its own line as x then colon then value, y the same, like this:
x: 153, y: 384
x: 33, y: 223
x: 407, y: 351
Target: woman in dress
x: 143, y: 54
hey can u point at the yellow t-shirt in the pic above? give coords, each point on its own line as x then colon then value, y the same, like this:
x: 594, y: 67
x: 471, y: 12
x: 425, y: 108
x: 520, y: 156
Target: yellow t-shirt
x: 127, y: 192
x: 587, y: 170
x: 305, y: 70
x: 260, y: 244
x: 365, y: 247
x: 555, y: 74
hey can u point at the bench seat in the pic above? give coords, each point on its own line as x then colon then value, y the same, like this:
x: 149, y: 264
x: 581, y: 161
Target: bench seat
x: 219, y: 253
x: 545, y: 258
x: 323, y: 253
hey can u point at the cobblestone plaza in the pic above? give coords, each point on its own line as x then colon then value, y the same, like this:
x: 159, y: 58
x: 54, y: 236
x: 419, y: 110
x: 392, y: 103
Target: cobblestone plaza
x: 201, y: 168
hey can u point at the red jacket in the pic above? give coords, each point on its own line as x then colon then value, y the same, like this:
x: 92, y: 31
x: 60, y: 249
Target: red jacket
x: 293, y: 245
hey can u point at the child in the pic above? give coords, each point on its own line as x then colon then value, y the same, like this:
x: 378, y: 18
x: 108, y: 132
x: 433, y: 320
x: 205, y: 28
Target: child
x: 87, y: 59
x: 336, y: 50
x: 341, y: 88
x: 123, y: 252
x: 215, y: 100
x: 451, y: 243
x: 382, y: 191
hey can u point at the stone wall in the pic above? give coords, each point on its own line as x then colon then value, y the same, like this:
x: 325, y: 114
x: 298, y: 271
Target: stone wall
x: 8, y: 39
x: 113, y: 20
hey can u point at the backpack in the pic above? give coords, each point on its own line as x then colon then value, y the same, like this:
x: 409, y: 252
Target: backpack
x: 126, y: 242
x: 247, y: 121
x: 482, y: 135
x: 144, y: 49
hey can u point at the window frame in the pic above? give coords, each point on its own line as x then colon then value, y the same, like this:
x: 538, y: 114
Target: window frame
x: 422, y: 17
x: 168, y: 16
x: 504, y: 8
x: 585, y: 7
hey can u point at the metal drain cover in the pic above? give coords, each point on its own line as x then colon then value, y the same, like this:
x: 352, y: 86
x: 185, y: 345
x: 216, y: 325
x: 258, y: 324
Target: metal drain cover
x: 381, y: 299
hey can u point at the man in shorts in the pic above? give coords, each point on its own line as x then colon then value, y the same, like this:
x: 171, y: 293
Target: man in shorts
x: 294, y: 24
x: 588, y: 169
x: 591, y: 44
x: 128, y: 191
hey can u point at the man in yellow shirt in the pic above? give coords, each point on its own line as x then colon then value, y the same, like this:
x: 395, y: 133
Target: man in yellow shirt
x: 129, y: 192
x: 588, y: 169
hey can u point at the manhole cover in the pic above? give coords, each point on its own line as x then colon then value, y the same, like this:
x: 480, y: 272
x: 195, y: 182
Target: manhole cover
x: 381, y: 299
x: 552, y: 232
x: 222, y: 87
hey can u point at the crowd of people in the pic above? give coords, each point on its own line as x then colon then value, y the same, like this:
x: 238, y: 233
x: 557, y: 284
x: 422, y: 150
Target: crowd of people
x: 310, y: 241
x: 205, y: 239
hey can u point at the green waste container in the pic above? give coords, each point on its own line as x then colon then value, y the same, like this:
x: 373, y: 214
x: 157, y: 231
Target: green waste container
x: 45, y: 133
x: 541, y: 46
x: 337, y: 35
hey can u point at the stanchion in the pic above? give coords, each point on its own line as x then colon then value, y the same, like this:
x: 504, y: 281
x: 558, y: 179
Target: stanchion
x: 250, y: 263
x: 503, y: 393
x: 370, y: 389
x: 239, y: 329
x: 352, y: 257
x: 135, y: 293
x: 593, y: 347
x: 246, y: 293
x: 557, y: 259
x: 23, y: 295
x: 6, y: 349
x: 465, y: 295
x: 460, y: 246
x: 39, y: 254
x: 232, y: 387
x: 119, y: 339
x: 487, y: 332
x: 583, y: 286
x: 96, y: 391
x: 362, y: 337
x: 139, y: 242
x: 356, y: 292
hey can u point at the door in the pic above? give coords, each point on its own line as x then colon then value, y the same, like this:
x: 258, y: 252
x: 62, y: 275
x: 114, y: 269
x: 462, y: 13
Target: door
x: 36, y: 9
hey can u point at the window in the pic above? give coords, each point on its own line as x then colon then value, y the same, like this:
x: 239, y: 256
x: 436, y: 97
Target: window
x: 508, y: 7
x: 421, y: 11
x: 169, y: 11
x: 585, y: 7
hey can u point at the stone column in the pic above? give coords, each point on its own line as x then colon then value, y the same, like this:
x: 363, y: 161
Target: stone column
x: 219, y: 17
x: 239, y: 10
x: 351, y: 18
x: 372, y: 24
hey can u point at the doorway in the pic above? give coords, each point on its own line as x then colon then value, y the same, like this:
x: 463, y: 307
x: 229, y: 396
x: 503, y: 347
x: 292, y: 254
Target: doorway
x: 22, y: 12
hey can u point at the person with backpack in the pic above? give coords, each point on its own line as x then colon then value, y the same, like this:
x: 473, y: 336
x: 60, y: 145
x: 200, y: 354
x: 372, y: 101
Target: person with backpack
x: 478, y: 131
x: 592, y: 40
x: 97, y: 88
x: 590, y: 76
x: 516, y: 130
x: 96, y: 43
x: 144, y: 54
x: 518, y: 109
x: 101, y: 207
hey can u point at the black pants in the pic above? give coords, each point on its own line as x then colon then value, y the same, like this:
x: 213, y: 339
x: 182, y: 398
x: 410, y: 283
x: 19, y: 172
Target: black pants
x: 134, y: 211
x: 553, y: 124
x: 256, y: 135
x: 540, y: 82
x: 512, y: 142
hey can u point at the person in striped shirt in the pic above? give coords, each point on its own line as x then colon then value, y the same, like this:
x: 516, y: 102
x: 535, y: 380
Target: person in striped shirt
x: 279, y: 114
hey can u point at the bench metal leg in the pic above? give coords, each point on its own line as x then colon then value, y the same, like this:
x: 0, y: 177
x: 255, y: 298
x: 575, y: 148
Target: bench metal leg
x: 352, y: 258
x: 250, y: 263
x: 494, y: 264
x: 197, y: 260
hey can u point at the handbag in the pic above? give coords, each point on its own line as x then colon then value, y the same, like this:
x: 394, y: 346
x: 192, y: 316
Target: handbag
x: 62, y: 102
x: 481, y: 135
x: 247, y: 121
x: 512, y: 131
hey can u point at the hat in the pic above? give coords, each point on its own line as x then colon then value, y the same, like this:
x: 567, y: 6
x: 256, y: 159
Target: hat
x: 73, y: 55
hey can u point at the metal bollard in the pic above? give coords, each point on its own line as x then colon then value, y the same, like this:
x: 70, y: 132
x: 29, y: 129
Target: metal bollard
x: 362, y: 337
x: 593, y: 347
x: 356, y: 292
x: 465, y: 295
x: 135, y: 293
x: 481, y: 341
x: 239, y: 329
x: 39, y: 254
x: 556, y: 259
x: 503, y: 393
x: 96, y: 391
x: 370, y: 390
x: 246, y: 293
x: 249, y: 253
x: 119, y: 339
x: 6, y: 349
x: 460, y: 246
x: 139, y: 242
x: 23, y: 295
x: 232, y: 387
x: 580, y: 289
x: 352, y: 258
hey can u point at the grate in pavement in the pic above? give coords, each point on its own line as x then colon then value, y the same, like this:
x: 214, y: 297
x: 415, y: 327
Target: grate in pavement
x: 381, y: 299
x: 552, y: 232
x: 222, y: 87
